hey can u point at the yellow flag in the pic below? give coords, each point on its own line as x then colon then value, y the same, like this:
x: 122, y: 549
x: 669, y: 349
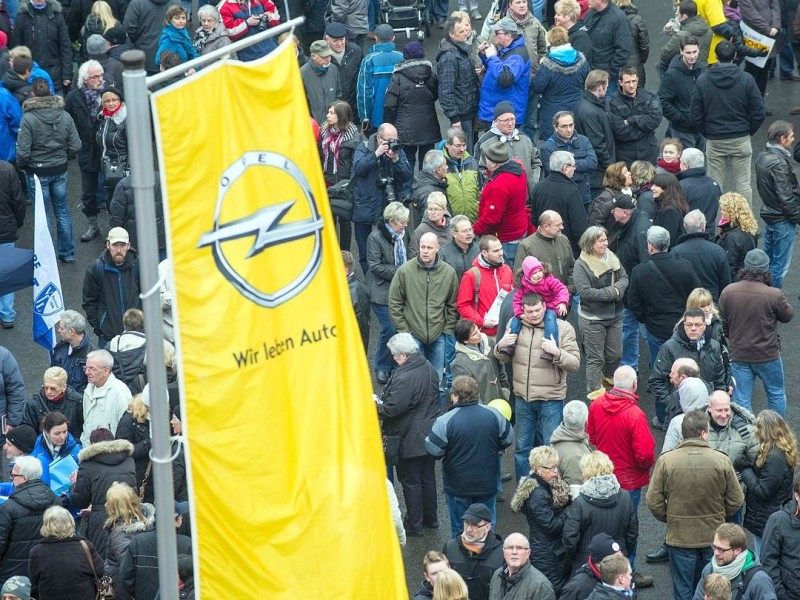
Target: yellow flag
x: 286, y: 467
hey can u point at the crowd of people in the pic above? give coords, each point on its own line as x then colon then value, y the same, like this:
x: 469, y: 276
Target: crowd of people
x: 545, y: 230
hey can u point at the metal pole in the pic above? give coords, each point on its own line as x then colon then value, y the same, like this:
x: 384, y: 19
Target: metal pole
x: 178, y: 71
x: 140, y: 152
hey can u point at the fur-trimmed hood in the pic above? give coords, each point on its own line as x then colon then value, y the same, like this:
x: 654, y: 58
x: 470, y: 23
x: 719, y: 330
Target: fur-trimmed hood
x: 558, y: 490
x: 524, y: 491
x: 38, y: 103
x: 415, y: 69
x: 52, y: 5
x: 123, y: 447
x: 149, y: 512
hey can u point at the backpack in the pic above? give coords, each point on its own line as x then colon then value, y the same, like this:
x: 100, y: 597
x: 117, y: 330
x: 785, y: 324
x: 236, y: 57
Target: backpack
x: 129, y: 364
x: 746, y: 578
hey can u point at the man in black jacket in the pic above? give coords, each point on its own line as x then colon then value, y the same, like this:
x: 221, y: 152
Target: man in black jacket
x: 592, y: 120
x: 658, y: 290
x: 477, y: 553
x: 12, y: 216
x: 701, y: 191
x: 588, y: 576
x: 612, y: 42
x: 41, y: 27
x: 780, y: 193
x: 21, y: 516
x: 709, y: 260
x: 347, y: 56
x: 675, y: 93
x: 727, y: 109
x: 635, y: 115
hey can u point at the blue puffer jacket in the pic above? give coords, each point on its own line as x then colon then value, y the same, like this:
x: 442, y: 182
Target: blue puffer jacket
x: 374, y: 76
x: 507, y: 77
x: 585, y: 159
x: 368, y: 198
x: 70, y: 448
x: 177, y: 41
x: 10, y: 118
x: 559, y: 80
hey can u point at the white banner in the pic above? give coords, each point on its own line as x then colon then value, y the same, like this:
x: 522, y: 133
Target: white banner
x: 753, y: 39
x: 48, y: 301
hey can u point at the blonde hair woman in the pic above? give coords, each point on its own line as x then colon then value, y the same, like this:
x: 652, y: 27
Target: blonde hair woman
x: 769, y: 480
x: 450, y: 586
x: 701, y: 298
x: 602, y: 506
x: 126, y: 518
x: 543, y: 498
x: 738, y: 230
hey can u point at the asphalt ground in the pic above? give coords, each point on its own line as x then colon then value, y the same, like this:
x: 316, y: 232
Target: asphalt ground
x: 782, y: 96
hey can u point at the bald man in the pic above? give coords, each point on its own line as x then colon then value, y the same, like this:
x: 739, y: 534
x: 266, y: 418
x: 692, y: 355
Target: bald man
x: 528, y: 583
x: 422, y: 301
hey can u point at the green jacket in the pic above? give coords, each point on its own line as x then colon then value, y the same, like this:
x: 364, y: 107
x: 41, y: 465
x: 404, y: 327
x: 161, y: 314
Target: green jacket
x: 422, y: 300
x: 463, y: 189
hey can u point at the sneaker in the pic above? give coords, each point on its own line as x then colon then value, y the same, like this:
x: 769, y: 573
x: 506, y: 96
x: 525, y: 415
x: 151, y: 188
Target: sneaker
x: 7, y: 324
x: 642, y: 581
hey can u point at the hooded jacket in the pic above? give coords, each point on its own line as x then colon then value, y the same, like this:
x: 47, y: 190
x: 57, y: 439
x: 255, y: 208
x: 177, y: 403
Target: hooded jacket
x: 552, y: 291
x: 618, y: 427
x: 780, y: 550
x: 502, y: 210
x: 507, y: 77
x: 726, y: 103
x: 47, y: 136
x: 675, y: 93
x: 600, y: 507
x: 422, y: 299
x: 144, y: 22
x: 106, y: 300
x: 101, y: 464
x: 559, y: 81
x: 693, y: 395
x: 463, y: 189
x: 476, y: 569
x: 459, y: 86
x: 12, y: 203
x: 45, y: 33
x: 410, y: 103
x: 494, y: 279
x: 571, y: 446
x: 120, y: 535
x: 694, y: 26
x: 374, y: 76
x: 21, y: 518
x: 759, y: 588
x: 480, y: 363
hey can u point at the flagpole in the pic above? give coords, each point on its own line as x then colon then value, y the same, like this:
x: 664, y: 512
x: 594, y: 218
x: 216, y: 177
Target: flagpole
x: 140, y: 153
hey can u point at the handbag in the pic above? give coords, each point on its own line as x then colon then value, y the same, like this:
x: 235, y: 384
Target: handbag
x: 145, y: 479
x: 391, y: 449
x: 341, y: 199
x: 113, y: 171
x: 104, y: 585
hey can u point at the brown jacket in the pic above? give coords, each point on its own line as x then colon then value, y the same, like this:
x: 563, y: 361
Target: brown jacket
x: 534, y: 377
x: 692, y: 490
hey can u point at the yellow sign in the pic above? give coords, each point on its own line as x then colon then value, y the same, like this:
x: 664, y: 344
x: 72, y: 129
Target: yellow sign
x: 287, y: 476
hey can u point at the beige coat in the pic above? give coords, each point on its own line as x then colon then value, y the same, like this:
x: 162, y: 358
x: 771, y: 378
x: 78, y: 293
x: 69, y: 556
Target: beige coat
x: 692, y: 490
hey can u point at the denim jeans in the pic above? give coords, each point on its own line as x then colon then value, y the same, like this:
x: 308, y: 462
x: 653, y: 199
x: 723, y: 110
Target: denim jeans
x: 550, y: 325
x: 373, y: 14
x: 686, y: 565
x: 7, y: 312
x: 54, y: 192
x: 449, y: 357
x: 786, y: 57
x: 383, y: 358
x: 458, y: 505
x: 362, y: 233
x: 12, y: 6
x: 758, y: 541
x: 630, y: 340
x: 535, y: 423
x: 654, y: 344
x: 636, y: 496
x: 736, y: 152
x: 771, y: 375
x: 778, y: 244
x: 689, y: 139
x: 434, y: 352
x: 510, y: 252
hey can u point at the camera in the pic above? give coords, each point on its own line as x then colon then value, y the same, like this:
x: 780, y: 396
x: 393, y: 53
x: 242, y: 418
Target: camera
x: 394, y: 145
x: 263, y: 23
x: 386, y: 185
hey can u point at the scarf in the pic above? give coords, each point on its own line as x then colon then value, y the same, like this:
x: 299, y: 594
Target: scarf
x: 118, y: 115
x: 730, y: 571
x: 600, y: 487
x: 92, y: 98
x: 670, y: 167
x: 54, y: 450
x: 399, y: 246
x: 560, y: 492
x: 331, y: 140
x: 201, y: 39
x: 476, y: 547
x: 600, y: 266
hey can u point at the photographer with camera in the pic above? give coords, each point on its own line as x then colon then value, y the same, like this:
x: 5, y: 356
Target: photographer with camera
x: 243, y: 18
x: 380, y: 167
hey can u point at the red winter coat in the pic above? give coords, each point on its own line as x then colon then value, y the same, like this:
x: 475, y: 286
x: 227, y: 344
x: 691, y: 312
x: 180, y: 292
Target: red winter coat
x: 618, y: 427
x: 502, y: 210
x: 492, y: 281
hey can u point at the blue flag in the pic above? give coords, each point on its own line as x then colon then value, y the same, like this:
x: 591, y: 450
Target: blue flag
x: 48, y: 301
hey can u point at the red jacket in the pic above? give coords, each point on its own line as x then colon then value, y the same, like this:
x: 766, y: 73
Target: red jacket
x: 503, y: 207
x: 618, y: 427
x: 492, y: 281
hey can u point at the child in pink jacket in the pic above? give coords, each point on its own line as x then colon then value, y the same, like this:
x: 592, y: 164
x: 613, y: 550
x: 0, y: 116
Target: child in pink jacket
x: 555, y: 295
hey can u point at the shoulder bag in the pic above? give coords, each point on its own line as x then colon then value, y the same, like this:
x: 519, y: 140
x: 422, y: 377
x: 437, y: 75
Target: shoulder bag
x: 104, y: 586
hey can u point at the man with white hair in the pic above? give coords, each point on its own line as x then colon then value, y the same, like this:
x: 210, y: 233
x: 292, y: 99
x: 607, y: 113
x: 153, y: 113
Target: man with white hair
x: 105, y: 399
x: 21, y: 516
x: 709, y: 260
x: 701, y: 191
x: 83, y: 105
x: 72, y: 349
x: 618, y: 427
x: 571, y: 441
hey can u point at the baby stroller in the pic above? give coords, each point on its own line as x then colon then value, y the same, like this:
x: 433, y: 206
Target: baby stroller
x: 406, y: 16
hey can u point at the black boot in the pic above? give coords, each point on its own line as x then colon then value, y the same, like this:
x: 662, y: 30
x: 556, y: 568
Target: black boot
x: 92, y: 231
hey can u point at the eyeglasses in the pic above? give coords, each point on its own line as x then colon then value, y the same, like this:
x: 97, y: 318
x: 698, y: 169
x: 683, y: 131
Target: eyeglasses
x: 507, y: 120
x: 516, y: 548
x: 552, y: 468
x: 467, y: 230
x: 111, y: 101
x: 50, y: 388
x: 95, y: 77
x: 477, y: 525
x: 13, y: 475
x: 718, y: 550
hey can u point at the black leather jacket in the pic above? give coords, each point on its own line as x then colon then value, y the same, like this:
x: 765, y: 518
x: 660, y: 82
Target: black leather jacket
x: 777, y: 186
